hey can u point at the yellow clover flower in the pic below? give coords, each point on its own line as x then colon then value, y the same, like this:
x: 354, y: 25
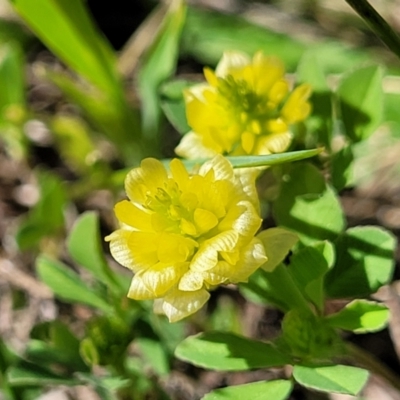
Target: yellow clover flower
x: 183, y: 234
x: 245, y: 107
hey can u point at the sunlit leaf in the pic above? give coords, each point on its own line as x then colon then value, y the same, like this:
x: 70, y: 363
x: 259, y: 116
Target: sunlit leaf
x: 364, y: 254
x: 307, y: 206
x: 335, y: 378
x: 228, y: 352
x: 360, y: 316
x: 308, y: 267
x: 361, y: 102
x: 66, y: 28
x: 277, y: 390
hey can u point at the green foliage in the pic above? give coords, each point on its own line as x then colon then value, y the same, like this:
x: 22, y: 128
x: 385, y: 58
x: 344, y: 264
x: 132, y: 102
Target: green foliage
x: 364, y: 255
x: 311, y: 257
x: 360, y: 316
x: 228, y: 352
x: 278, y: 390
x: 331, y: 378
x: 207, y: 34
x: 158, y: 65
x: 89, y: 254
x: 361, y: 102
x: 308, y: 267
x: 66, y: 28
x: 308, y: 338
x: 173, y: 104
x: 308, y: 206
x: 67, y: 284
x: 258, y: 161
x: 12, y: 99
x: 47, y: 216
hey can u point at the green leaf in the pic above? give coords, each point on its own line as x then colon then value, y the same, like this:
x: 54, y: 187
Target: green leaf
x: 361, y: 99
x: 158, y: 65
x: 360, y: 316
x: 335, y: 378
x: 84, y: 247
x: 47, y: 216
x: 207, y: 34
x: 173, y: 104
x: 14, y: 31
x: 258, y: 161
x: 307, y: 206
x: 73, y: 141
x: 66, y: 28
x: 154, y: 353
x: 12, y: 100
x: 89, y: 352
x: 11, y: 76
x: 226, y: 316
x: 46, y: 355
x: 67, y: 285
x: 29, y: 374
x: 277, y: 390
x: 228, y: 352
x: 319, y: 124
x: 111, y: 116
x: 277, y: 243
x: 342, y: 168
x: 308, y: 267
x: 265, y: 288
x: 364, y: 255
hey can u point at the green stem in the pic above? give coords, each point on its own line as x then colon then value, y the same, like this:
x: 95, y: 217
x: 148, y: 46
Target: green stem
x: 295, y: 299
x: 372, y: 364
x: 378, y: 25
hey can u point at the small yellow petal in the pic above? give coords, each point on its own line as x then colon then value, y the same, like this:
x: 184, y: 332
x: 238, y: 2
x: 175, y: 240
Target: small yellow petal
x: 162, y: 277
x: 231, y: 61
x: 191, y: 146
x: 145, y: 179
x: 207, y: 255
x: 174, y: 248
x: 252, y: 257
x: 274, y: 143
x: 210, y: 76
x: 138, y: 290
x: 247, y: 142
x: 191, y: 281
x: 178, y: 304
x: 179, y: 173
x: 296, y: 107
x: 143, y: 245
x: 120, y: 249
x: 220, y: 165
x: 243, y: 218
x: 129, y: 214
x: 204, y: 220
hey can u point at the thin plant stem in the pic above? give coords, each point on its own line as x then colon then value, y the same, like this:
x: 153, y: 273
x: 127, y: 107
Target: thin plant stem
x: 378, y: 24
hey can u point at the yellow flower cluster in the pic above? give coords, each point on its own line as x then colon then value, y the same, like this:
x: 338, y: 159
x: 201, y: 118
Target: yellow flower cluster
x: 246, y: 107
x: 183, y: 234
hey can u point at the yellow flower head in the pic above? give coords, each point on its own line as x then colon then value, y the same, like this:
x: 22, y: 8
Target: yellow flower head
x: 183, y: 234
x: 246, y: 107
